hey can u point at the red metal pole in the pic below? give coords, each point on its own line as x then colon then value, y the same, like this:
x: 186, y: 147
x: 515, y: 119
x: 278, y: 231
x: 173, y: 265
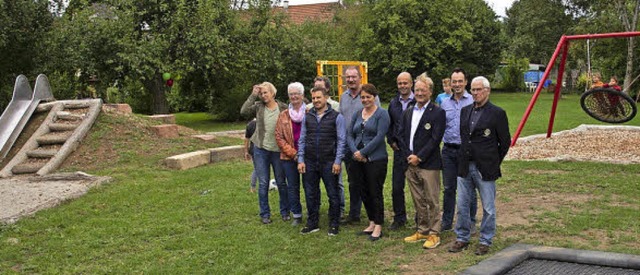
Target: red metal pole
x: 534, y: 98
x: 556, y: 95
x: 563, y: 40
x: 602, y: 35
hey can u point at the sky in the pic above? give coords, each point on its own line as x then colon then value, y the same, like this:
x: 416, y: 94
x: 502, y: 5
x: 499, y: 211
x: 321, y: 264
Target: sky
x: 498, y: 6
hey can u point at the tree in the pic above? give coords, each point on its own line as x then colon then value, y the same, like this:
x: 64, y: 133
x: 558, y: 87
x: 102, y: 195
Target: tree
x: 434, y: 36
x: 535, y: 27
x: 599, y: 16
x: 23, y: 25
x: 629, y: 17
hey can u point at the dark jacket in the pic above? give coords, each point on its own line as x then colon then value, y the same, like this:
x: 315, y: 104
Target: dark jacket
x: 487, y: 145
x: 395, y: 115
x: 427, y: 138
x: 322, y: 137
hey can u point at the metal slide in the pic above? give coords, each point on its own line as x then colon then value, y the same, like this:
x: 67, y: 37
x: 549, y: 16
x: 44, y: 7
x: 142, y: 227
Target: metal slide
x: 20, y: 109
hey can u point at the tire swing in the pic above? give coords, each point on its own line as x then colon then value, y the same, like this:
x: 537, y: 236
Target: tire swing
x: 606, y: 104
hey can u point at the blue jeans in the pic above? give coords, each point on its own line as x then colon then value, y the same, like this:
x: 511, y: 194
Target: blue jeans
x: 450, y: 184
x: 487, y: 190
x: 311, y: 179
x: 293, y: 184
x: 341, y: 192
x: 262, y: 161
x: 254, y: 178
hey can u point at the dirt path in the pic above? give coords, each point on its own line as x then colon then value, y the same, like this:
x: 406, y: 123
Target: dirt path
x: 23, y: 196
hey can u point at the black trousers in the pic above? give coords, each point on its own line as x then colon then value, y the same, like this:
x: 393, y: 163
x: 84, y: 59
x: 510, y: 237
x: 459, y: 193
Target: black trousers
x: 397, y: 187
x: 371, y: 176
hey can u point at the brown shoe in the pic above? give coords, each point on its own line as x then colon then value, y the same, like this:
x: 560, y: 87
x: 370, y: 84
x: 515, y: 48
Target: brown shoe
x: 482, y: 249
x: 458, y: 246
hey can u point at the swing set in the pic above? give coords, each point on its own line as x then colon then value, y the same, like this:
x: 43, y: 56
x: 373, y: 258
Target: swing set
x: 603, y: 104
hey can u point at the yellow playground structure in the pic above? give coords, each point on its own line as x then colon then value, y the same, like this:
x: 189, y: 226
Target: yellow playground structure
x: 334, y: 70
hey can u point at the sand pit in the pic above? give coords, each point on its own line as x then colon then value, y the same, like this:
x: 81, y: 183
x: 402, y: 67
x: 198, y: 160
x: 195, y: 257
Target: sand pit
x: 596, y: 143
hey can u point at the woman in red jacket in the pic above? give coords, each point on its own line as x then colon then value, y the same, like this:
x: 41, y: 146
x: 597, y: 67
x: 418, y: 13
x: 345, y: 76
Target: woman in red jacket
x: 287, y: 135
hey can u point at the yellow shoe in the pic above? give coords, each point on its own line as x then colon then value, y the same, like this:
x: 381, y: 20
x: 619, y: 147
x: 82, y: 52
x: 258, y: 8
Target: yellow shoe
x: 432, y: 242
x: 416, y: 237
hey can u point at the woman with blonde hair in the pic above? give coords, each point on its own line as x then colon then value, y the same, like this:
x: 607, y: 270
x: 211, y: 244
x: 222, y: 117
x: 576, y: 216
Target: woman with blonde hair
x: 266, y: 152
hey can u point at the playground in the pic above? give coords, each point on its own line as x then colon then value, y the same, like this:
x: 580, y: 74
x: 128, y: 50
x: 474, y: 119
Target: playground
x: 155, y: 217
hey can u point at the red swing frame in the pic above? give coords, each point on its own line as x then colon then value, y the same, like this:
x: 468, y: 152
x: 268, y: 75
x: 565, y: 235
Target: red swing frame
x: 563, y: 45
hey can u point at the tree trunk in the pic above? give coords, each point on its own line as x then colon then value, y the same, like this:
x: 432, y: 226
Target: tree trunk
x: 629, y: 27
x: 156, y: 87
x: 627, y: 76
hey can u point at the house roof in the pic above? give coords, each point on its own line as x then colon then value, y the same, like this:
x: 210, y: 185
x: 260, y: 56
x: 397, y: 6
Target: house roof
x: 312, y: 12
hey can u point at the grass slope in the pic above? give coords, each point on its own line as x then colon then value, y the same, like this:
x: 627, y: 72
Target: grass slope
x: 204, y: 220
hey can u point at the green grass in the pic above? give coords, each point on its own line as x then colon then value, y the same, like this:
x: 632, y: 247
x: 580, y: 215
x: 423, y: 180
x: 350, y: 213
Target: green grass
x: 205, y: 122
x: 204, y: 220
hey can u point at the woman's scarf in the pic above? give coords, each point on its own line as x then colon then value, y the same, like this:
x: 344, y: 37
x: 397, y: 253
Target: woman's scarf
x: 297, y: 115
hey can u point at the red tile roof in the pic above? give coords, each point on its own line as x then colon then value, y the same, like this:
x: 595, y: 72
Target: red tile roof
x: 312, y: 12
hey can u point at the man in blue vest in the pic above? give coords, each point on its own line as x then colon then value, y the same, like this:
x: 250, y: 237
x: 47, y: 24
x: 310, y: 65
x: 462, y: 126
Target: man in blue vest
x: 320, y: 152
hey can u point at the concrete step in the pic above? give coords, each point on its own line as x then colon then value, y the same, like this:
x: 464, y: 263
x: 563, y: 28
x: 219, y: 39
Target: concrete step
x: 41, y: 153
x: 28, y: 167
x: 54, y: 138
x: 68, y: 116
x: 59, y: 127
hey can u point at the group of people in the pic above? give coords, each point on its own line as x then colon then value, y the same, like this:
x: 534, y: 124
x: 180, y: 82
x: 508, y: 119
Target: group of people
x: 311, y: 142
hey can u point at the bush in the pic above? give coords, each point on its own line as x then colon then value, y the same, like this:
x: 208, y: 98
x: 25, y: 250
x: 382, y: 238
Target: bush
x: 64, y: 85
x: 513, y: 74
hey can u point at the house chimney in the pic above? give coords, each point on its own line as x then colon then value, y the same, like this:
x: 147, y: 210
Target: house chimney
x: 285, y: 4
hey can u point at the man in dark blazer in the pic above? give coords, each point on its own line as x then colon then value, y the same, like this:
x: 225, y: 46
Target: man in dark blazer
x: 484, y: 131
x: 421, y: 132
x: 402, y: 101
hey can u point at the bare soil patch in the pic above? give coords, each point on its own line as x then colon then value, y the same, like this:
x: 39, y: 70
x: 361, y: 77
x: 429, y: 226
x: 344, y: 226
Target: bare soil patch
x: 23, y: 196
x: 611, y: 144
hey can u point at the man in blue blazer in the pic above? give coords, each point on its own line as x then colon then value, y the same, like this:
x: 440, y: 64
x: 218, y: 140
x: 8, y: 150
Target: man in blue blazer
x: 421, y: 132
x: 484, y: 131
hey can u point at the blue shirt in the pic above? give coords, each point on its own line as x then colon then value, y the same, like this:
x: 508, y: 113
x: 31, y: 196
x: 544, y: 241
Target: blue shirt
x: 350, y: 105
x: 341, y: 141
x: 453, y: 108
x: 441, y: 97
x: 405, y: 102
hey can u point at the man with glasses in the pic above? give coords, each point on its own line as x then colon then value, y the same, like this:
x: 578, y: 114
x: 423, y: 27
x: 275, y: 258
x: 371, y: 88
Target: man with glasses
x: 452, y: 106
x: 349, y: 105
x: 484, y: 130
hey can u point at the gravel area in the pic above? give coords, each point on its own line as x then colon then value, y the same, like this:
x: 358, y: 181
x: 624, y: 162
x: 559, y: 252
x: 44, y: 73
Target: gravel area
x: 25, y: 195
x: 597, y: 143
